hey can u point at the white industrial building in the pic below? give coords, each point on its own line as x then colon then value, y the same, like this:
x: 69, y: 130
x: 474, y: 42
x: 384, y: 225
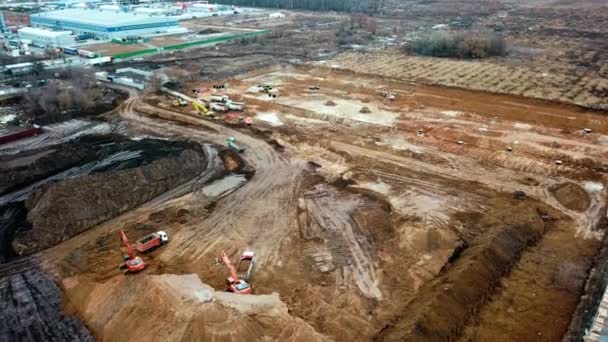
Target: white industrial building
x: 43, y: 38
x: 105, y: 24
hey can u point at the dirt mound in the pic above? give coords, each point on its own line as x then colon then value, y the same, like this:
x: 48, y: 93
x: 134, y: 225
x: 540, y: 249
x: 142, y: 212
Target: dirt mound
x: 571, y: 196
x: 100, y: 197
x: 32, y: 310
x: 446, y: 303
x: 29, y: 166
x: 181, y: 308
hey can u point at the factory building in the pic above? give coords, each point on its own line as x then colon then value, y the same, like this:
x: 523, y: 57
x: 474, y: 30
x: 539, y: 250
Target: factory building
x: 43, y: 38
x: 104, y: 24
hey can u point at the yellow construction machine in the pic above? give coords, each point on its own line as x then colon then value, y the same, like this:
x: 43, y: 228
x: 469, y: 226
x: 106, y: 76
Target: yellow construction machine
x: 179, y: 102
x: 200, y: 108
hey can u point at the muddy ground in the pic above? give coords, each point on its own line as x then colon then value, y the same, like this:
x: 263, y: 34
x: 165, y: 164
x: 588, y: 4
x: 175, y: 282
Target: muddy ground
x: 390, y: 231
x: 439, y: 214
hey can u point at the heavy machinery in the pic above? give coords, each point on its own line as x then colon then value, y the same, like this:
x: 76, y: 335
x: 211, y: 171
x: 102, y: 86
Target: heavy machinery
x: 225, y: 99
x: 244, y: 269
x: 201, y: 108
x: 179, y: 102
x: 218, y: 107
x: 264, y: 88
x: 235, y: 284
x: 132, y: 263
x: 152, y: 241
x: 232, y: 144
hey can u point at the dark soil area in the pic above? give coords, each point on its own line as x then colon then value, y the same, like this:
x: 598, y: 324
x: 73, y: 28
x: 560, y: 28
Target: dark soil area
x: 77, y: 172
x: 32, y: 309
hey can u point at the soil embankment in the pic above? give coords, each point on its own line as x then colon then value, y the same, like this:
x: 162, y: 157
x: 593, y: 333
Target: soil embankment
x: 32, y: 310
x: 172, y: 307
x: 55, y: 218
x: 446, y: 303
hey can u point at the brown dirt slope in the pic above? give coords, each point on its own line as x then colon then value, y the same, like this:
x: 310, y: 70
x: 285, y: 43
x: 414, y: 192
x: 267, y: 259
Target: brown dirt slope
x: 181, y: 308
x: 446, y: 303
x: 55, y: 217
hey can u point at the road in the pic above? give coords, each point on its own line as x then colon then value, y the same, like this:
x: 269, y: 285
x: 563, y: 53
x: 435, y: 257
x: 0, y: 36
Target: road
x: 257, y: 216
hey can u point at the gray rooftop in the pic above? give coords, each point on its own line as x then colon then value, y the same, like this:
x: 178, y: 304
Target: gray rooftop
x: 101, y: 18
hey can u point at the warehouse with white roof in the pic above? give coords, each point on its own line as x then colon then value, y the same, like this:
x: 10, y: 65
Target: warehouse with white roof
x: 43, y: 38
x: 104, y: 24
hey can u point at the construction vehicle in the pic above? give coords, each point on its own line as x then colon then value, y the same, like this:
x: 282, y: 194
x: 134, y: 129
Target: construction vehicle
x: 388, y: 94
x: 264, y: 88
x: 234, y: 146
x: 236, y: 284
x: 201, y: 108
x: 132, y: 263
x: 179, y: 102
x: 244, y: 268
x: 218, y: 107
x: 225, y: 99
x: 152, y: 241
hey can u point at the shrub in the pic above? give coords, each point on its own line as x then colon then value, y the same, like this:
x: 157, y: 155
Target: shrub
x: 460, y: 45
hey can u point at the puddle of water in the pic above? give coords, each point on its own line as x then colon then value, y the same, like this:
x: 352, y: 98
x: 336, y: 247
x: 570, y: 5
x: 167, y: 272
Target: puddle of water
x: 224, y: 186
x: 270, y: 118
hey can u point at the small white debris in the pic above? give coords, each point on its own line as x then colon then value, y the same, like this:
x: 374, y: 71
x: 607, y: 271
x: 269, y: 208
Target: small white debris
x: 509, y: 148
x: 587, y: 130
x: 559, y: 162
x: 460, y: 142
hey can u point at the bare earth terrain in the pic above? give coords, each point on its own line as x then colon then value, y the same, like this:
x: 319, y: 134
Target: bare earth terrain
x: 470, y: 205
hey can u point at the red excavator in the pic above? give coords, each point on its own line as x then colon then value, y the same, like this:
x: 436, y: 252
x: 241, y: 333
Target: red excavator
x: 235, y: 284
x: 132, y: 263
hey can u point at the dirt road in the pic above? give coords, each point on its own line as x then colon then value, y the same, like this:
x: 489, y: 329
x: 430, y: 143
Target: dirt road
x: 248, y: 217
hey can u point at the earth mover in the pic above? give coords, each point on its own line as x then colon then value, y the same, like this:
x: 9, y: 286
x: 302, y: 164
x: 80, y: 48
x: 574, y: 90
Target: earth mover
x: 132, y: 264
x: 152, y: 241
x: 232, y: 144
x: 235, y: 284
x: 201, y: 108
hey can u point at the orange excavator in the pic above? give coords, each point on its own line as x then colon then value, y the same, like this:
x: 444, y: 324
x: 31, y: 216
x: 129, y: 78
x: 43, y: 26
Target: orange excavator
x: 132, y: 263
x: 236, y: 284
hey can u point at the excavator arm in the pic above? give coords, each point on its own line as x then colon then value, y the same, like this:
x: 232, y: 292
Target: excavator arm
x: 124, y: 239
x: 230, y: 266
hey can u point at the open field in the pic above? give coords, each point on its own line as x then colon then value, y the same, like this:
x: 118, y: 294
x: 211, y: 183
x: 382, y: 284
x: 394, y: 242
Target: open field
x: 587, y: 90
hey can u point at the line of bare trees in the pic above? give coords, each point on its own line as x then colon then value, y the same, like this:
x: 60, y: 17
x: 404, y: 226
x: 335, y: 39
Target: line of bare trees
x: 365, y: 6
x: 75, y: 90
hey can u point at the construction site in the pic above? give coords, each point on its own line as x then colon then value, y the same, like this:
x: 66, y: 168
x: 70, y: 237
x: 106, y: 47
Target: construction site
x: 295, y: 186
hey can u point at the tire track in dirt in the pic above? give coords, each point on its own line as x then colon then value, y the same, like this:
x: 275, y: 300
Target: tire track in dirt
x: 258, y: 215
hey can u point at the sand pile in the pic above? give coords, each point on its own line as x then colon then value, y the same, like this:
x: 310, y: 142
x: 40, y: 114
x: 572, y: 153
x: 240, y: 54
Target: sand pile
x: 181, y: 308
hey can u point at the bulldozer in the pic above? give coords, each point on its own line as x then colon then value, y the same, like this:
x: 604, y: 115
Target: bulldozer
x: 202, y: 109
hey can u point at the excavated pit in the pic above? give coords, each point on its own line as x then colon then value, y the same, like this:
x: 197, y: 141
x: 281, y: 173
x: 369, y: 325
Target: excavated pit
x: 571, y: 196
x: 447, y: 302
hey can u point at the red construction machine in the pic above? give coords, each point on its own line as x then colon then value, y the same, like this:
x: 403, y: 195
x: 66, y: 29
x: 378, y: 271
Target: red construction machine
x: 237, y: 282
x: 132, y: 263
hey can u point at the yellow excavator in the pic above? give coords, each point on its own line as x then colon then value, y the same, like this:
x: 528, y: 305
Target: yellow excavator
x: 200, y: 108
